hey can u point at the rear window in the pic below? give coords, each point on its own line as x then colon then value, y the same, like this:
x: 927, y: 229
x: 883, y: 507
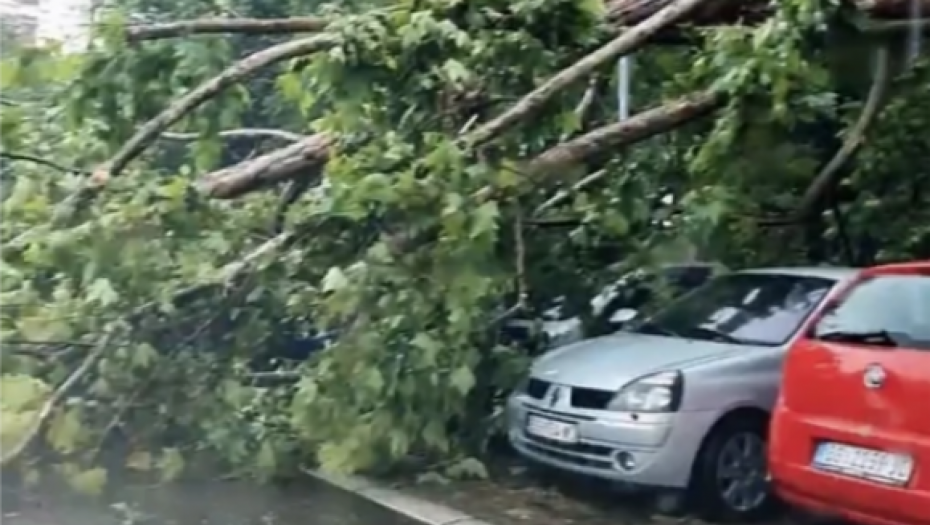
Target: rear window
x: 896, y: 306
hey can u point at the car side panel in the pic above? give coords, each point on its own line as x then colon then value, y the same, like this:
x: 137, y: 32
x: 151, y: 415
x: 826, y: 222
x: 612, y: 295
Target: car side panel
x: 750, y: 380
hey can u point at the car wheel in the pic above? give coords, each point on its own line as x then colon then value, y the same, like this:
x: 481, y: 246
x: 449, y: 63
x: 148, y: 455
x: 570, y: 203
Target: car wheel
x: 729, y: 480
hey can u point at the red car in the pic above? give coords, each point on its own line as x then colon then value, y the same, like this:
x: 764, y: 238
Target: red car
x: 850, y: 437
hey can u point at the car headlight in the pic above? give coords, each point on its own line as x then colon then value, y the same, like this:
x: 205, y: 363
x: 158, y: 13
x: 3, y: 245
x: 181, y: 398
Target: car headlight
x: 659, y: 392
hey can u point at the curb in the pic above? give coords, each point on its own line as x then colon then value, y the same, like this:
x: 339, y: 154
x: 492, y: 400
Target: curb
x: 411, y: 507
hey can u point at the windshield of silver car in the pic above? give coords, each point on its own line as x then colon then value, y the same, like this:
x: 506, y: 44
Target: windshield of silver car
x: 761, y: 309
x: 888, y: 310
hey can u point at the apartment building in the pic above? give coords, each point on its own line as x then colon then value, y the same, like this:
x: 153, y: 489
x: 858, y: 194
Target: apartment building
x: 19, y: 21
x: 33, y: 22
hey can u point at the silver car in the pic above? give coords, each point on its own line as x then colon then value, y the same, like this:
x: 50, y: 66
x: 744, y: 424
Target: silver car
x: 679, y: 401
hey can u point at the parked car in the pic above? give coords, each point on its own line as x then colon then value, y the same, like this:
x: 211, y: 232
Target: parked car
x: 850, y: 435
x: 632, y: 291
x: 679, y: 402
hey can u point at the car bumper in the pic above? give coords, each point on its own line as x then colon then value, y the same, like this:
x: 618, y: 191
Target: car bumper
x: 829, y: 495
x: 790, y: 450
x: 662, y: 446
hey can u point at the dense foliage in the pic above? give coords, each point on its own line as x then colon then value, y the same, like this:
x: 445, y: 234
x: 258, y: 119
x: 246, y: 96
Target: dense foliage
x: 138, y: 294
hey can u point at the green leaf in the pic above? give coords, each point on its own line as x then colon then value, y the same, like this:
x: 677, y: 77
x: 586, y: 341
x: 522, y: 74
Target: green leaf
x: 266, y: 459
x: 334, y: 280
x: 468, y: 468
x: 170, y: 464
x: 101, y: 291
x: 90, y: 482
x: 462, y: 379
x: 455, y: 72
x: 484, y: 219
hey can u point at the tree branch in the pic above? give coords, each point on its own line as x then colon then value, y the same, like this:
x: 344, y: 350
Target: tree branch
x: 242, y: 69
x: 624, y: 44
x: 306, y: 156
x: 831, y: 175
x: 634, y: 129
x: 563, y: 195
x: 150, y: 131
x: 246, y: 133
x: 243, y: 26
x: 39, y: 160
x: 57, y: 397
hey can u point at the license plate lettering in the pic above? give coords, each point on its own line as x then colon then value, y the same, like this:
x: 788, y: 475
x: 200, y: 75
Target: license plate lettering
x: 874, y: 465
x: 551, y: 429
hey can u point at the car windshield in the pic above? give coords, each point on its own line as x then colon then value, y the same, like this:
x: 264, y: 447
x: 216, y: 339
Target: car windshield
x: 886, y: 310
x: 763, y: 309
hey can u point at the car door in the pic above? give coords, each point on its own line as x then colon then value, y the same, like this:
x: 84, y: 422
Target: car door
x: 861, y: 377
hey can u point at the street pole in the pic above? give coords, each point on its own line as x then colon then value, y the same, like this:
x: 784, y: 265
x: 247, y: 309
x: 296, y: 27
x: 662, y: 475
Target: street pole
x: 623, y: 88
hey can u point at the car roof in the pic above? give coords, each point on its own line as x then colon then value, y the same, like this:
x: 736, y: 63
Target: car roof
x: 836, y: 273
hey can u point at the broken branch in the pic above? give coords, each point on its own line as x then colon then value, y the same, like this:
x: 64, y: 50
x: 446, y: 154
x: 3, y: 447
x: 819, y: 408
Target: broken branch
x: 242, y: 69
x: 243, y: 26
x: 624, y: 44
x: 831, y: 174
x: 57, y: 397
x: 245, y: 133
x: 39, y: 160
x: 307, y: 155
x: 634, y: 129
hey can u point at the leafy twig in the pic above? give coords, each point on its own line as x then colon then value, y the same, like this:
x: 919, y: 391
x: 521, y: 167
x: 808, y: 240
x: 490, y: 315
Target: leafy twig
x: 57, y: 397
x: 832, y: 174
x: 150, y: 131
x: 562, y: 195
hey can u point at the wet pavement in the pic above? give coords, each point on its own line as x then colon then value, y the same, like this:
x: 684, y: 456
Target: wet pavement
x: 200, y: 503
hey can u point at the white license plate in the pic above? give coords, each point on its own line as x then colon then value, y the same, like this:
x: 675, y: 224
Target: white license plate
x: 874, y: 465
x: 552, y: 429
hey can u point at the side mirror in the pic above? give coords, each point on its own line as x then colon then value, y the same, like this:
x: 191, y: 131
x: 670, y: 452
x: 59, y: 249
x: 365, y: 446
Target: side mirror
x: 623, y: 315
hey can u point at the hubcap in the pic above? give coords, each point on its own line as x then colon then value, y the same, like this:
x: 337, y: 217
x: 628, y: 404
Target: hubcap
x: 741, y: 472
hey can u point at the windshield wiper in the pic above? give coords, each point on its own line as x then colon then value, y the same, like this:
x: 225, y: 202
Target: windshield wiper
x: 873, y: 337
x: 656, y: 328
x: 717, y: 335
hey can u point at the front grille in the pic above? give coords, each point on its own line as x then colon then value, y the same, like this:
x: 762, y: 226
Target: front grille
x: 578, y: 448
x: 537, y: 388
x: 570, y: 458
x: 591, y: 398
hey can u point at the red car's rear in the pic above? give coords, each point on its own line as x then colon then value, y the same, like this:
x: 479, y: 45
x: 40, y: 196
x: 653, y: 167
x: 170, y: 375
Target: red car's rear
x: 851, y: 431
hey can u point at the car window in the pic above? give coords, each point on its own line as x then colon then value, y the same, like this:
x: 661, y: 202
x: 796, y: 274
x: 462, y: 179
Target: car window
x: 896, y: 305
x: 744, y: 308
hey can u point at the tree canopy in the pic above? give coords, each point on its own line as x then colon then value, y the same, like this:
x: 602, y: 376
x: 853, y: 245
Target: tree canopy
x: 210, y: 181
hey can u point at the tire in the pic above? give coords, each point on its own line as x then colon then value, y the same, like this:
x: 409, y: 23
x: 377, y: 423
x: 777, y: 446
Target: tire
x: 740, y: 436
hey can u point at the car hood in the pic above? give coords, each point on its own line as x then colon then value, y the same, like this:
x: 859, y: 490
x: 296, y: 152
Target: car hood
x: 610, y: 362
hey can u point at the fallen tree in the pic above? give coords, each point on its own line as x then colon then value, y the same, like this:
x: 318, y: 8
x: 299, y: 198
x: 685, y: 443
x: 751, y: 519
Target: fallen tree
x: 437, y: 141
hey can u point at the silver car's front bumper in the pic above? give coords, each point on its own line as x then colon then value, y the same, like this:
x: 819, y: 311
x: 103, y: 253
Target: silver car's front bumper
x: 643, y: 449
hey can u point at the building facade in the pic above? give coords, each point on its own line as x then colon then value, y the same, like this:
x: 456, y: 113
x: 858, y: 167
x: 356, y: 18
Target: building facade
x: 32, y: 22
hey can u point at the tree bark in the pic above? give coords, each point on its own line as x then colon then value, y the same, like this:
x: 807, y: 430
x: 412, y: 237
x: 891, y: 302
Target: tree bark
x: 304, y: 158
x: 243, y: 133
x: 624, y: 44
x: 242, y: 69
x: 639, y: 127
x: 242, y: 26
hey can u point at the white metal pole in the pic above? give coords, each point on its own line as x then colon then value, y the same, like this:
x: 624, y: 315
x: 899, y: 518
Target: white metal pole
x: 623, y: 88
x: 916, y: 33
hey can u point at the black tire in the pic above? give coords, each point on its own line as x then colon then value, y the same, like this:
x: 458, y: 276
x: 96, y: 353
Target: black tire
x: 706, y: 488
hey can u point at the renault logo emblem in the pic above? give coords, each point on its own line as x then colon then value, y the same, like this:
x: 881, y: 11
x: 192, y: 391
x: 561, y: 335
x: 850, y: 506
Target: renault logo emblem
x: 555, y: 393
x: 874, y: 376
